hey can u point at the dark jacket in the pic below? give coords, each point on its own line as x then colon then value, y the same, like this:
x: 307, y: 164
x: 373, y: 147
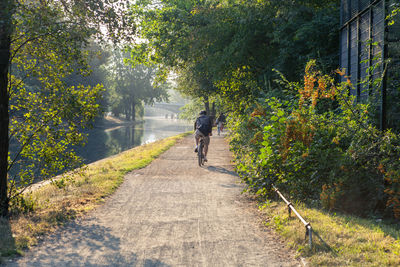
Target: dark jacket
x: 203, y: 124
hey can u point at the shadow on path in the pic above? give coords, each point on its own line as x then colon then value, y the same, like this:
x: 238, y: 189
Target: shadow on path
x: 95, y: 246
x: 221, y: 170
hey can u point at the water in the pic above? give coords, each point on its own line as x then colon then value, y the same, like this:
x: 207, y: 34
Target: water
x: 103, y: 143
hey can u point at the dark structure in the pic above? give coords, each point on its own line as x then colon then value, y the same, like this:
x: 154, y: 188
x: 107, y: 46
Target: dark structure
x: 366, y: 45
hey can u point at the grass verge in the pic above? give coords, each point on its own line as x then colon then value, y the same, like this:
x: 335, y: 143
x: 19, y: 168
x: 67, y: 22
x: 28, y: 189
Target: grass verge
x: 69, y: 197
x: 338, y: 240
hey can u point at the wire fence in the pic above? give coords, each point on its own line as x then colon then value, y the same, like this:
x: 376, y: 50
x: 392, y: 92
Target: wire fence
x: 362, y: 42
x: 370, y: 55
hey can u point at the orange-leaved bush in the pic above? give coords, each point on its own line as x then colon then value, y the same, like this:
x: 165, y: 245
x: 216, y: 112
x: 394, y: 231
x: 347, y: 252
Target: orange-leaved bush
x: 321, y: 148
x: 316, y: 85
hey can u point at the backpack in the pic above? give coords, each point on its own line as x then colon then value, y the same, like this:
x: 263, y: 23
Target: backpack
x: 203, y: 124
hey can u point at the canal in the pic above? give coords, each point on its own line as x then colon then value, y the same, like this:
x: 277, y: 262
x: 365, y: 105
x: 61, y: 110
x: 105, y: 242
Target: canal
x: 106, y: 141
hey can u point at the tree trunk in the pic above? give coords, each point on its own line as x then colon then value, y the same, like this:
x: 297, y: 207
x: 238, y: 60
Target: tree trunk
x: 6, y: 10
x: 130, y: 111
x: 127, y: 113
x: 133, y: 111
x: 212, y: 114
x: 207, y: 105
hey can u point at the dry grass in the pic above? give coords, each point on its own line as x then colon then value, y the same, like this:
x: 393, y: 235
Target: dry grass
x: 81, y: 192
x: 338, y: 240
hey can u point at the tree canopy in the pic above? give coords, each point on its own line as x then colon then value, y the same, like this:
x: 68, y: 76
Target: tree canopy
x: 131, y: 87
x: 42, y: 44
x: 230, y: 48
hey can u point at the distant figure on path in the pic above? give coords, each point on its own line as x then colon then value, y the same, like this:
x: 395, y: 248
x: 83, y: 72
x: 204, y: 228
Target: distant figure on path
x: 203, y: 128
x: 220, y: 122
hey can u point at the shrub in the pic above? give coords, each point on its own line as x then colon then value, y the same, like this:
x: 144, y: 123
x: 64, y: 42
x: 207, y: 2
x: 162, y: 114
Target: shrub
x: 321, y: 148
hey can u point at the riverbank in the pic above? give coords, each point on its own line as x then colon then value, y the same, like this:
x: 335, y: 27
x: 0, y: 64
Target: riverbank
x: 111, y: 122
x: 70, y: 197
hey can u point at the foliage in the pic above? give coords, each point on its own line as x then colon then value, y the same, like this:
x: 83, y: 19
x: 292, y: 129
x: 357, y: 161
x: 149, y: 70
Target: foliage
x: 321, y: 148
x: 228, y: 48
x: 129, y: 87
x: 98, y: 56
x: 391, y: 17
x: 190, y: 111
x: 46, y: 111
x: 46, y: 114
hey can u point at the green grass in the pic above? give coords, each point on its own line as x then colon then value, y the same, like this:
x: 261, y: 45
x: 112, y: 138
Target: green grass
x: 338, y: 240
x: 81, y: 191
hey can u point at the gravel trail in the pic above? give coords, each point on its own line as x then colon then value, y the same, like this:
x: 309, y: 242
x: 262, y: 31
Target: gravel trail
x: 171, y: 213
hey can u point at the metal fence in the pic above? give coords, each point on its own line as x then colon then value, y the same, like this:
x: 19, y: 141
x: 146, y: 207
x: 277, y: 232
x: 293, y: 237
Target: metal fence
x: 362, y: 46
x: 362, y: 39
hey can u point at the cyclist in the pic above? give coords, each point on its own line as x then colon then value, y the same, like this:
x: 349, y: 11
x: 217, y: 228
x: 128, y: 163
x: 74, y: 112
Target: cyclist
x: 203, y: 128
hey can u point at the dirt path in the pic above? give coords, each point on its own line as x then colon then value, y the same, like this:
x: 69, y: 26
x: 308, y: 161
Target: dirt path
x: 172, y: 213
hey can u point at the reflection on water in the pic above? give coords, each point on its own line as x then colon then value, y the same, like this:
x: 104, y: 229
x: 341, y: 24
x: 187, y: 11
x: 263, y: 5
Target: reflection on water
x: 103, y: 143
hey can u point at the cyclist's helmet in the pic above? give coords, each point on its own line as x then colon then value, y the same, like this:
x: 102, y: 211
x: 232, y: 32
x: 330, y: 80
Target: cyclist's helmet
x: 203, y: 112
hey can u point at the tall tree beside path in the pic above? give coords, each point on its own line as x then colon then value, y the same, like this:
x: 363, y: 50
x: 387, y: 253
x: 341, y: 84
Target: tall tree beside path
x: 41, y: 115
x: 129, y: 87
x: 6, y: 11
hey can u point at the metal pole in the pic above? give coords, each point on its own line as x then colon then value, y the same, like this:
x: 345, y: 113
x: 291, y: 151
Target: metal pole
x: 370, y: 62
x: 384, y: 70
x: 358, y: 70
x: 348, y: 71
x: 291, y: 208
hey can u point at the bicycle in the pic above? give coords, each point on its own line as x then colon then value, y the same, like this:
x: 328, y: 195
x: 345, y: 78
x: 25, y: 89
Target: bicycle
x: 200, y: 152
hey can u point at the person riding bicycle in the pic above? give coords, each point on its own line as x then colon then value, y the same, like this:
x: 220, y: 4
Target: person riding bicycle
x: 203, y: 128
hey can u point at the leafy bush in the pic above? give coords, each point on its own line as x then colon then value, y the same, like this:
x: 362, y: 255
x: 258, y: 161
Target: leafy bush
x: 321, y: 148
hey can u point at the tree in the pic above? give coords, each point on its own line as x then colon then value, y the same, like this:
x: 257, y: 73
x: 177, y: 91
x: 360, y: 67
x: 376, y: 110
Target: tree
x: 306, y: 30
x: 40, y: 114
x: 6, y: 11
x: 197, y: 86
x: 130, y: 87
x: 98, y: 57
x: 235, y: 45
